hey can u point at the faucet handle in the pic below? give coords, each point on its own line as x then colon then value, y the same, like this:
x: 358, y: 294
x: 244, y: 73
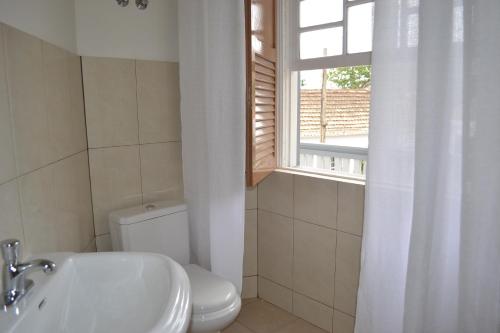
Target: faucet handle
x: 11, y: 249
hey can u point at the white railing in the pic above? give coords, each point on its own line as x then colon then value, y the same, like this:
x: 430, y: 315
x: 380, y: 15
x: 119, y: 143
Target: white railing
x: 341, y: 160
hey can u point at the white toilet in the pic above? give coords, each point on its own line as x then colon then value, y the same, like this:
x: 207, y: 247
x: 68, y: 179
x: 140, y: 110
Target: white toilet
x: 162, y: 227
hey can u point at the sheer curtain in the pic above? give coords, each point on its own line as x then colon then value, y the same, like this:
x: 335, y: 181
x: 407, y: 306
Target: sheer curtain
x: 212, y: 81
x: 431, y: 246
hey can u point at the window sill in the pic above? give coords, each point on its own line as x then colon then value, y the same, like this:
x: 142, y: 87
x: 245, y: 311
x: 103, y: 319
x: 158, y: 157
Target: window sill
x: 318, y: 175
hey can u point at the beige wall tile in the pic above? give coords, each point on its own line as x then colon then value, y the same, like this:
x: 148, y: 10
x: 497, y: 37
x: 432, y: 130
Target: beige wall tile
x: 110, y: 100
x: 37, y: 192
x: 76, y: 97
x: 315, y: 200
x: 7, y: 157
x: 47, y: 120
x: 347, y: 272
x: 56, y: 206
x: 317, y: 276
x: 351, y: 208
x: 275, y: 247
x: 275, y: 194
x: 46, y: 101
x: 27, y: 100
x: 65, y: 110
x: 92, y: 247
x: 275, y: 294
x: 251, y: 198
x: 158, y: 101
x: 342, y: 323
x: 250, y: 253
x: 116, y: 182
x: 313, y: 312
x: 103, y: 243
x: 161, y: 171
x: 249, y: 289
x: 314, y: 261
x: 10, y: 219
x: 73, y: 201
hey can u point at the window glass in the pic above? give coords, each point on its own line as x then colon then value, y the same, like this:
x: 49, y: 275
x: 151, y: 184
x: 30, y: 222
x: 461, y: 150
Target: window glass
x: 334, y: 111
x: 315, y: 12
x: 327, y: 105
x: 321, y: 43
x: 360, y: 28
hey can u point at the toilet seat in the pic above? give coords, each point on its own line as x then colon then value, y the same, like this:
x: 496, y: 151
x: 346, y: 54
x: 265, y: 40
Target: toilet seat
x: 216, y: 302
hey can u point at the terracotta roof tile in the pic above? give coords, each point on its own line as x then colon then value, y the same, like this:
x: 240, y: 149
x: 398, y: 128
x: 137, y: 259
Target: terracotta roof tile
x: 347, y: 112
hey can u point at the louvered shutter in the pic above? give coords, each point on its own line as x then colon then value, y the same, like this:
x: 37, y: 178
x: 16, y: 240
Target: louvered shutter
x: 260, y: 33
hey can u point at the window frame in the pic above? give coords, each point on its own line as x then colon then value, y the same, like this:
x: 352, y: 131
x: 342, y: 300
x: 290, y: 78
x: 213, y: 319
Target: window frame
x: 288, y: 43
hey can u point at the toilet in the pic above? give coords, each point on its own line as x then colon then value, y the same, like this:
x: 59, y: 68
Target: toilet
x: 162, y: 227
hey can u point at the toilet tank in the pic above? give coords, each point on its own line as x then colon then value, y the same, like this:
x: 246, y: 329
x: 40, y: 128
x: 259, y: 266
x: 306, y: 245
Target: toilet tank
x: 159, y: 227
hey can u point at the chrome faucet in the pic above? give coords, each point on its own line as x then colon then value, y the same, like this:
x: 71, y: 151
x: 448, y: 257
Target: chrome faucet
x: 14, y: 282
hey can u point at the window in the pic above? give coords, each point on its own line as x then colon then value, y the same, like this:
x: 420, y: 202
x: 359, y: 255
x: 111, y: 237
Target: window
x: 325, y: 75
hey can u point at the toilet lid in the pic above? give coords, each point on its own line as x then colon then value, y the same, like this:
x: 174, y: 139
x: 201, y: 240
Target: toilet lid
x: 210, y: 293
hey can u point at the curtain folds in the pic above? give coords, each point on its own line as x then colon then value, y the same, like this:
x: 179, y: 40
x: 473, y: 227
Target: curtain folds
x: 431, y: 245
x: 212, y: 81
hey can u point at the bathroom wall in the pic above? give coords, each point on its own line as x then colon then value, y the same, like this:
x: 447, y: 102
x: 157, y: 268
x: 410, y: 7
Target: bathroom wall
x: 132, y: 110
x: 104, y: 29
x: 45, y: 198
x: 309, y: 243
x: 50, y: 20
x: 134, y: 133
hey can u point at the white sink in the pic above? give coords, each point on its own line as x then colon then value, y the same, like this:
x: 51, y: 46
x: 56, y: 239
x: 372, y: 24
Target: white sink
x: 104, y: 292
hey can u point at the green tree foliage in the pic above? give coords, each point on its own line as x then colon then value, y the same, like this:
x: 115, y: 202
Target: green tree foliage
x: 351, y: 77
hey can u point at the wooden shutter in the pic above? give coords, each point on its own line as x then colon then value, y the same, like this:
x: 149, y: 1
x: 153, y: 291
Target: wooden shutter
x: 260, y: 24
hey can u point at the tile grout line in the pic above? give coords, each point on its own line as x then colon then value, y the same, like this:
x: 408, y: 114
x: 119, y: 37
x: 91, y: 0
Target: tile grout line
x: 335, y: 254
x: 43, y: 166
x: 135, y: 144
x: 293, y: 242
x: 138, y: 127
x: 257, y: 229
x: 88, y: 150
x: 301, y: 294
x: 345, y: 313
x: 270, y: 211
x: 312, y: 223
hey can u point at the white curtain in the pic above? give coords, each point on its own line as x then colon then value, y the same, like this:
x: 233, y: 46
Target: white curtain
x: 431, y: 246
x: 212, y: 80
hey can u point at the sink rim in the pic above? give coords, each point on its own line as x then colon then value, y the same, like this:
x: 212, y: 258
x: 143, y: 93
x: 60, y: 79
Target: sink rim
x: 176, y: 317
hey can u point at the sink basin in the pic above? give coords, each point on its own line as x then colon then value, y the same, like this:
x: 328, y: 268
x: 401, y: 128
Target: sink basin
x: 104, y: 292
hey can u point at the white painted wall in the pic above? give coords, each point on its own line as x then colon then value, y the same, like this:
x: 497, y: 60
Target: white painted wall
x: 50, y: 20
x: 99, y: 27
x: 106, y: 30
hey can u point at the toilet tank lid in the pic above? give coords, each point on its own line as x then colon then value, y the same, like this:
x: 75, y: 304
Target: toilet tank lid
x: 147, y: 211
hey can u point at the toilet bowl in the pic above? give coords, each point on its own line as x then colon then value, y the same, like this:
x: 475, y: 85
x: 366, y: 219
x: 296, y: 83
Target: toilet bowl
x: 162, y: 227
x: 215, y: 301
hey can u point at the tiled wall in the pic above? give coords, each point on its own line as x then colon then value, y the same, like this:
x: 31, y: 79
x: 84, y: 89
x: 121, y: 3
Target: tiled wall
x: 45, y: 198
x: 134, y: 133
x: 302, y: 234
x: 250, y: 252
x: 309, y: 244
